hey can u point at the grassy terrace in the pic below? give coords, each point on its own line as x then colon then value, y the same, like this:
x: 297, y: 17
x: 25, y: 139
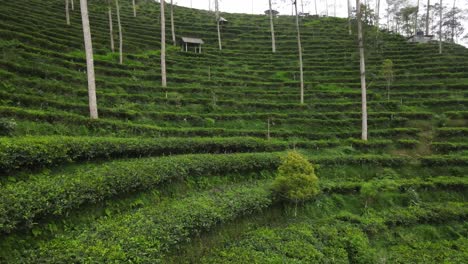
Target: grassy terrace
x: 183, y: 174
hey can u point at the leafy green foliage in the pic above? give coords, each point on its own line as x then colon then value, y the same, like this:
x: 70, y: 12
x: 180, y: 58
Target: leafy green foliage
x: 25, y: 202
x: 7, y: 127
x: 152, y: 229
x: 296, y: 180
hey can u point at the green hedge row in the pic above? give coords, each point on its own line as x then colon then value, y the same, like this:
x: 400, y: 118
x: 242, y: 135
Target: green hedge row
x: 303, y: 242
x: 144, y: 236
x: 36, y: 152
x: 25, y: 202
x: 452, y: 132
x: 444, y: 160
x: 149, y: 130
x: 446, y: 182
x: 446, y: 147
x: 43, y: 195
x: 404, y: 216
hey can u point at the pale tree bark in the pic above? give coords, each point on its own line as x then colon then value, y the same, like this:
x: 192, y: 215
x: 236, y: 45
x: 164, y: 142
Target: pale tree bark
x: 377, y: 12
x: 299, y: 44
x: 316, y: 10
x: 172, y: 24
x: 326, y: 6
x: 73, y: 5
x: 163, y: 47
x: 349, y: 18
x: 67, y: 12
x: 453, y: 22
x: 89, y: 60
x: 427, y: 16
x: 363, y: 71
x: 416, y: 19
x: 120, y: 32
x: 111, y: 28
x: 440, y: 28
x: 134, y: 8
x: 218, y: 25
x: 272, y: 26
x: 334, y: 8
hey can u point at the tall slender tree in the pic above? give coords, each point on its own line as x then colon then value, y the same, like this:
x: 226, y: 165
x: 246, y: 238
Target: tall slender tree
x: 416, y: 13
x: 440, y: 27
x: 73, y: 5
x: 453, y: 23
x: 334, y: 8
x: 67, y: 12
x: 299, y: 45
x: 120, y: 32
x: 134, y: 8
x: 172, y: 24
x: 316, y: 10
x: 111, y: 26
x: 89, y: 60
x: 362, y: 71
x: 377, y: 13
x: 218, y: 18
x: 349, y: 18
x: 163, y: 47
x: 326, y: 7
x: 272, y: 26
x: 427, y: 16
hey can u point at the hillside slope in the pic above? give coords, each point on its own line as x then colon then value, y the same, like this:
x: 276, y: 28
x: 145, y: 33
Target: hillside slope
x: 182, y: 174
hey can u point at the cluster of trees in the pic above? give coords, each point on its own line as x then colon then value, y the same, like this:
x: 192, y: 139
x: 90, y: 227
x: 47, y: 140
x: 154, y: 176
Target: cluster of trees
x: 409, y: 17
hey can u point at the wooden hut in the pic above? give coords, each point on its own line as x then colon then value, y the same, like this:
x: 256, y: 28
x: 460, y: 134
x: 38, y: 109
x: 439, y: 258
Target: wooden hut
x: 192, y: 43
x: 274, y: 12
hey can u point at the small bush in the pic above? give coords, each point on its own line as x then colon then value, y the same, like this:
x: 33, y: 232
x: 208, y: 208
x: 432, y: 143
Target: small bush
x: 7, y: 127
x: 296, y: 180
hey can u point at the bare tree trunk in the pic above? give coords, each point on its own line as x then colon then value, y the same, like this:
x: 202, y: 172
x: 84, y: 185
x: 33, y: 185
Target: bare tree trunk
x: 134, y: 8
x: 416, y: 19
x: 299, y: 44
x: 73, y: 5
x: 440, y: 28
x: 427, y: 16
x: 334, y: 8
x: 363, y: 71
x: 453, y: 22
x: 273, y: 40
x: 172, y: 24
x: 89, y: 60
x: 377, y: 14
x: 349, y: 17
x: 67, y: 12
x: 268, y: 130
x: 111, y: 28
x: 316, y: 10
x: 302, y: 4
x: 120, y: 32
x: 326, y: 6
x: 163, y: 47
x: 218, y: 25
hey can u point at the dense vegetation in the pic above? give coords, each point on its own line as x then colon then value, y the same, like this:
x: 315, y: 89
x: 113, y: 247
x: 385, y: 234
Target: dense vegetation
x: 186, y: 174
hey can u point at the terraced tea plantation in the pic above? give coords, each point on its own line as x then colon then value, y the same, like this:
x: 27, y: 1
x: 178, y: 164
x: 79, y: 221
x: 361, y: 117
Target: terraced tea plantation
x: 183, y: 174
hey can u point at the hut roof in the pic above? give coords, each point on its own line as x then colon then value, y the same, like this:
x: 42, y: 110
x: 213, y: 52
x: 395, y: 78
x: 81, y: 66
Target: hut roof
x: 274, y: 12
x: 192, y: 40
